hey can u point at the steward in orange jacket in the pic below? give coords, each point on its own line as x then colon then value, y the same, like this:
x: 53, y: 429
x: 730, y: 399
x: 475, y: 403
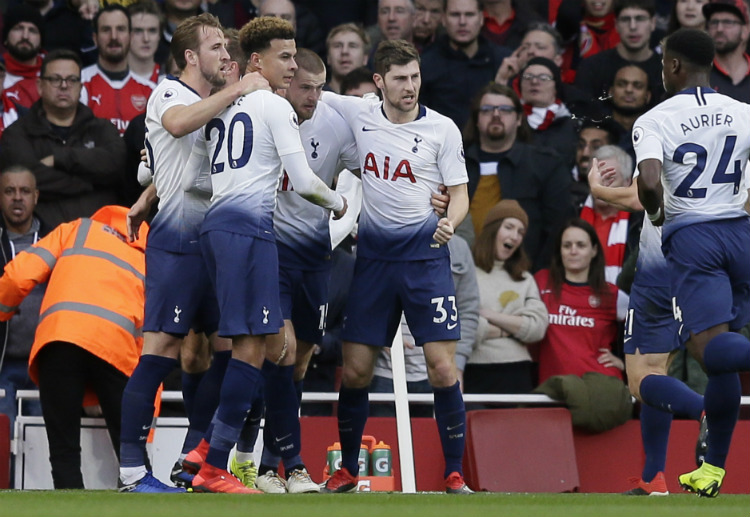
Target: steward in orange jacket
x: 89, y: 336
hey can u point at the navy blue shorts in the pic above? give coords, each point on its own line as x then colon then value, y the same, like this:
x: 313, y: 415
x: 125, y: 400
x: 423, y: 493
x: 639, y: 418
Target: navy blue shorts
x: 381, y: 290
x: 709, y: 268
x: 245, y: 273
x: 650, y: 326
x: 304, y: 301
x: 179, y: 294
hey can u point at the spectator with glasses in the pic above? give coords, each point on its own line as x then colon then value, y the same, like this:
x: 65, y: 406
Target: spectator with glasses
x: 502, y: 164
x: 547, y: 115
x: 727, y: 23
x: 78, y: 159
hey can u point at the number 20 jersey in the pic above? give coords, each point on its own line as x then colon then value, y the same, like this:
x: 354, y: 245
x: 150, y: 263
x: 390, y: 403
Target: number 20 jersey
x: 402, y: 165
x: 244, y: 144
x: 702, y: 139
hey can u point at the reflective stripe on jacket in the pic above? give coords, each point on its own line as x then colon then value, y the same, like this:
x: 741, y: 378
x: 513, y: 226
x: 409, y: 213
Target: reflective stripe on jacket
x: 95, y: 291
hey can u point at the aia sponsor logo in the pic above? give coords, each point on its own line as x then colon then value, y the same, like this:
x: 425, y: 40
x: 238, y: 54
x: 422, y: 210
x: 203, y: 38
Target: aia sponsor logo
x: 384, y: 170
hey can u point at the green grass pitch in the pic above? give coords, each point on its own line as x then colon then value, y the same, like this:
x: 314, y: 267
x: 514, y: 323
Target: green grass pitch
x: 112, y: 504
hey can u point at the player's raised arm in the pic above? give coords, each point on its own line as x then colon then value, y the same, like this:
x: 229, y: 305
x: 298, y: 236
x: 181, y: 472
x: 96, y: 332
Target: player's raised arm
x: 624, y: 198
x: 182, y: 120
x: 345, y: 105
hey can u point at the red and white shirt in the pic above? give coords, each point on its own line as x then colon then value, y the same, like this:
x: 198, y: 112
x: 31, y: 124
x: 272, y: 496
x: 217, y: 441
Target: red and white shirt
x: 117, y: 100
x: 613, y: 234
x: 580, y: 324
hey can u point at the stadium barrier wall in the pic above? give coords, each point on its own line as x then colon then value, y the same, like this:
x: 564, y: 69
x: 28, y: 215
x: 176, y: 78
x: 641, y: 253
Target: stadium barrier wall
x: 603, y: 462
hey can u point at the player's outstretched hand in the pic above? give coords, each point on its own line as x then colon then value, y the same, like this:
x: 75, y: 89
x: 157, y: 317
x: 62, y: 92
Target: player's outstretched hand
x: 252, y: 82
x: 136, y: 215
x: 601, y: 174
x: 338, y: 214
x: 444, y: 231
x: 440, y: 200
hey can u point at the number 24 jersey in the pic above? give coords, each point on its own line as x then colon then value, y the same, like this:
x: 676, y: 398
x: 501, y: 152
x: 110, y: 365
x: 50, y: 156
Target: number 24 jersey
x: 702, y: 139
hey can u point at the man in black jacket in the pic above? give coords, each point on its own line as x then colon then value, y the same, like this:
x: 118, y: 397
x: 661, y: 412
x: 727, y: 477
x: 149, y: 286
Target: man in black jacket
x: 19, y: 229
x: 78, y: 159
x: 459, y: 63
x: 502, y: 165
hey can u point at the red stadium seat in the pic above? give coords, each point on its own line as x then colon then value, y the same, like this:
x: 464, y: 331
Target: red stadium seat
x: 521, y: 450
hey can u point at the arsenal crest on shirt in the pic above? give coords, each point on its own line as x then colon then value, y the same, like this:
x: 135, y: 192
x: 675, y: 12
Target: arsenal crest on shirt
x: 138, y: 102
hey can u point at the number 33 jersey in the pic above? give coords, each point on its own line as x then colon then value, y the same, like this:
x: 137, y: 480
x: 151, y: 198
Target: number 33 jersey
x: 702, y: 139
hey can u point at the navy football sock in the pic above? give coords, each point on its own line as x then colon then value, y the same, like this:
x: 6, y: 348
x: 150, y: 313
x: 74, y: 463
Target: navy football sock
x: 722, y: 401
x: 249, y: 433
x: 282, y: 415
x: 238, y: 391
x: 671, y: 395
x: 354, y: 406
x: 727, y: 352
x: 190, y: 383
x: 450, y: 415
x: 138, y: 407
x: 655, y: 426
x: 208, y: 400
x: 298, y: 388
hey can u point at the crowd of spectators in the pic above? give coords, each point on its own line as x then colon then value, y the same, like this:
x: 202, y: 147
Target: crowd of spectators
x: 536, y: 88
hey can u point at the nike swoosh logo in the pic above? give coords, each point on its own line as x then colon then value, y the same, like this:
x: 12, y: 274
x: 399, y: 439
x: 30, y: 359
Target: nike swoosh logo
x: 369, y: 128
x: 626, y: 339
x: 283, y: 438
x: 451, y: 326
x: 146, y: 427
x: 454, y: 427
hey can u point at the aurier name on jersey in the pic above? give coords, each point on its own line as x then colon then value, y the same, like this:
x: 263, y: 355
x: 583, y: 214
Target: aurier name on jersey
x: 176, y: 225
x: 402, y: 165
x: 695, y: 136
x: 302, y: 228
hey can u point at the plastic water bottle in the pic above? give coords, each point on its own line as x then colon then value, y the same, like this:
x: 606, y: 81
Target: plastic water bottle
x: 381, y: 460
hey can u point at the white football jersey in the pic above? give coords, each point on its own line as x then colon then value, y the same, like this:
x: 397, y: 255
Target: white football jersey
x: 176, y: 225
x: 245, y: 145
x: 300, y: 225
x: 702, y: 139
x: 402, y: 165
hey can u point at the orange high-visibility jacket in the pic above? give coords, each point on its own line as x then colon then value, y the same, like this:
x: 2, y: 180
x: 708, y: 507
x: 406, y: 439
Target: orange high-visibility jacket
x: 95, y: 293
